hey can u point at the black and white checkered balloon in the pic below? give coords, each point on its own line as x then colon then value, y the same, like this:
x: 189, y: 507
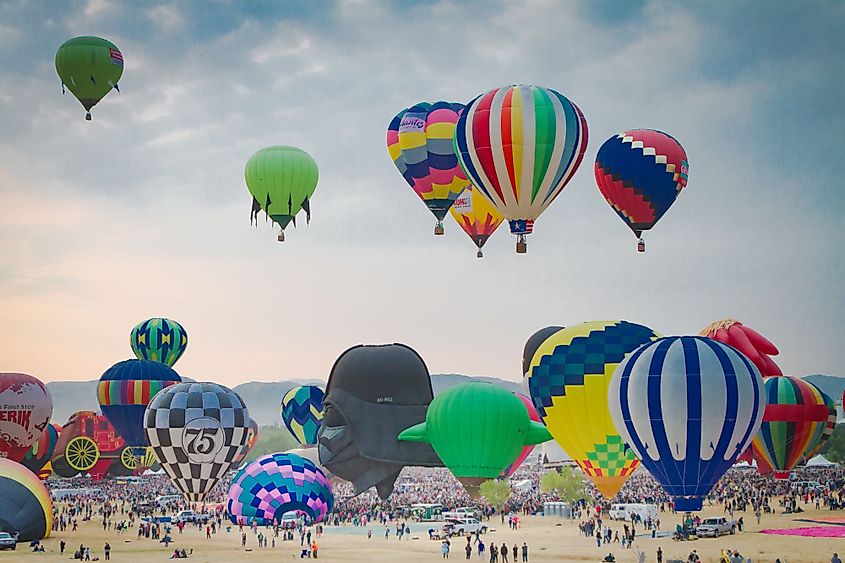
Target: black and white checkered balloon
x: 196, y: 431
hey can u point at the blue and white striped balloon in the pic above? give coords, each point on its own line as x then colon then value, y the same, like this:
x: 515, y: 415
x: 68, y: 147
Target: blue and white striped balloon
x: 688, y: 406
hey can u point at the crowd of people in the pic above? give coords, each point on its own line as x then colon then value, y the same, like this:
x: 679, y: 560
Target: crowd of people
x: 120, y: 508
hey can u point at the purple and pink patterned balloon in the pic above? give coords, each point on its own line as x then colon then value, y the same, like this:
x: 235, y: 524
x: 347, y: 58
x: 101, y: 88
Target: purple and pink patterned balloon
x: 274, y: 484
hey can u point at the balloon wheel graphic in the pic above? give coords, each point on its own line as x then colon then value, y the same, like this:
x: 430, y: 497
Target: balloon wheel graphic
x: 82, y: 453
x: 128, y: 459
x: 202, y: 438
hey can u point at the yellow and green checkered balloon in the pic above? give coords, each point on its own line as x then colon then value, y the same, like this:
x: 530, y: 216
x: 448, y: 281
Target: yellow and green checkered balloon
x: 568, y: 378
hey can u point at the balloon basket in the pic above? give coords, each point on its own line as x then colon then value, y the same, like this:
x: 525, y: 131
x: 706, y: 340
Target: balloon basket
x: 281, y: 237
x: 88, y: 116
x: 479, y: 254
x: 438, y: 229
x: 641, y: 245
x: 521, y: 245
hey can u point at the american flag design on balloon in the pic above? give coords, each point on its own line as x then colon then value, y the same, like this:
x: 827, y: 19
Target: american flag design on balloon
x: 640, y: 173
x: 275, y: 484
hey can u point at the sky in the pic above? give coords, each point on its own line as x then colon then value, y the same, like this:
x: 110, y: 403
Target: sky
x: 144, y: 211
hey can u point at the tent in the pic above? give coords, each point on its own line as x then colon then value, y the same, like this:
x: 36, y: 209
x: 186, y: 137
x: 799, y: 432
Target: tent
x: 821, y: 461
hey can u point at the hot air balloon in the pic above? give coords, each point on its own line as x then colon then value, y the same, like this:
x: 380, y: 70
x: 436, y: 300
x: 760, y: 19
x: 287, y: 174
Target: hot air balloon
x: 196, y: 430
x: 42, y: 450
x: 282, y: 181
x: 277, y: 483
x: 640, y: 173
x: 476, y: 216
x: 302, y: 412
x: 568, y: 379
x: 823, y: 433
x: 125, y: 390
x: 251, y: 440
x: 526, y: 451
x: 311, y: 453
x: 534, y: 341
x: 748, y: 341
x: 688, y: 406
x: 794, y: 419
x: 25, y: 411
x: 373, y: 393
x: 520, y: 145
x: 419, y: 140
x: 158, y: 339
x: 27, y: 508
x: 478, y: 430
x: 90, y: 67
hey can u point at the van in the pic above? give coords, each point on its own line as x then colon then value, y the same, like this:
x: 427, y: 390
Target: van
x: 623, y: 511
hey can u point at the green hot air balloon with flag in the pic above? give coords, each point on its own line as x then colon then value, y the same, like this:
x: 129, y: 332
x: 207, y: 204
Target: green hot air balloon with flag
x: 478, y: 430
x: 89, y: 67
x: 282, y: 181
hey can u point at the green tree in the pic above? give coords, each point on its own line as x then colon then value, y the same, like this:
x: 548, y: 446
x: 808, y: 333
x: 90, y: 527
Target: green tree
x: 567, y: 483
x: 271, y: 439
x: 496, y: 492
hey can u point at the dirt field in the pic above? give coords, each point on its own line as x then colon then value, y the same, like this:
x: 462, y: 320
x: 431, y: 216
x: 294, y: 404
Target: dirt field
x: 549, y: 539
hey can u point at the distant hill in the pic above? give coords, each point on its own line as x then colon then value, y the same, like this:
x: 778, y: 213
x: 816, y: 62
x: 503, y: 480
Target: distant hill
x: 262, y: 398
x: 833, y: 385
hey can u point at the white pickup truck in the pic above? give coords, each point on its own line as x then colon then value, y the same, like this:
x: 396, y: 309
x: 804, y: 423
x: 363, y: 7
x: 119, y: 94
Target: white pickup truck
x: 462, y: 526
x: 715, y: 527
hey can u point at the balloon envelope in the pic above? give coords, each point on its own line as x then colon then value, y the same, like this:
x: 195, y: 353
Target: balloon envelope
x: 419, y: 140
x: 373, y: 393
x: 478, y: 430
x: 526, y: 451
x: 688, y: 406
x: 568, y: 380
x: 640, y: 173
x: 196, y: 430
x: 159, y: 339
x: 26, y: 505
x: 42, y: 450
x: 794, y: 420
x: 282, y: 180
x: 25, y: 411
x: 476, y: 216
x: 277, y: 483
x: 748, y: 341
x: 251, y: 440
x: 125, y: 390
x: 302, y: 412
x: 89, y: 67
x: 520, y: 145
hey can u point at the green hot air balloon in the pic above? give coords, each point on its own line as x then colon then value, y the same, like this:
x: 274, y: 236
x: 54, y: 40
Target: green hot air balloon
x: 281, y: 180
x: 90, y: 67
x: 478, y: 430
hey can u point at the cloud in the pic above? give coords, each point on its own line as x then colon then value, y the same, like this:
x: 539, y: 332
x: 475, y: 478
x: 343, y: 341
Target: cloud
x: 166, y: 17
x: 144, y: 211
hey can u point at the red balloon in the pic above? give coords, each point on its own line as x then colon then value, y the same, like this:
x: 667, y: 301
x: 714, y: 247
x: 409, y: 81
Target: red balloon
x: 526, y: 451
x: 25, y: 411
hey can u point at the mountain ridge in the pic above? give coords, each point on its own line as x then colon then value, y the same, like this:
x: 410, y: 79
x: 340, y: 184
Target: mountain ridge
x: 261, y: 397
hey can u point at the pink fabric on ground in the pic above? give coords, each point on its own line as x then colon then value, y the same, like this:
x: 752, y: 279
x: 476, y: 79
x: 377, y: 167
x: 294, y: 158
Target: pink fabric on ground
x: 813, y: 532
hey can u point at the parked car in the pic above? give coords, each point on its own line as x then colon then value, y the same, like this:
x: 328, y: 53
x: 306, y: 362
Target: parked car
x: 462, y: 512
x: 462, y: 526
x: 715, y: 527
x: 8, y: 541
x: 191, y: 517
